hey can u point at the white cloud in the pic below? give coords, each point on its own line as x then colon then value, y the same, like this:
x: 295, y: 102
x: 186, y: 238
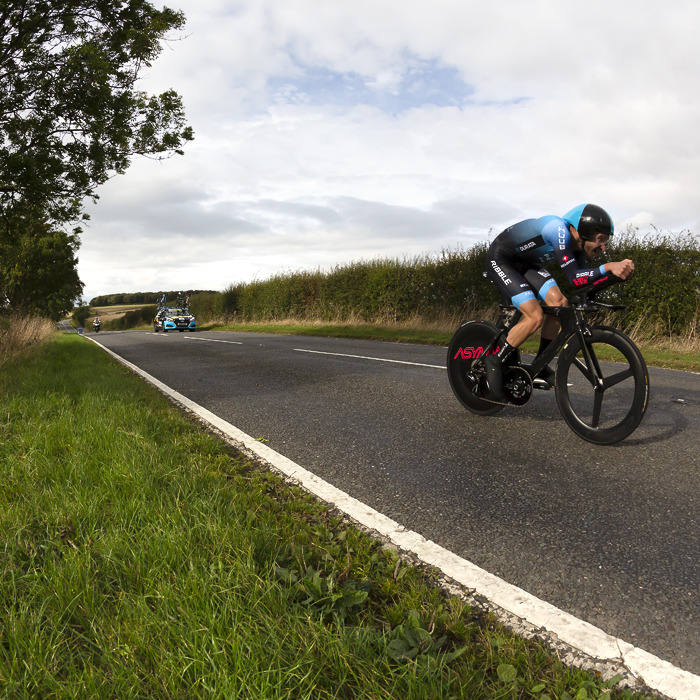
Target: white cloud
x: 333, y: 131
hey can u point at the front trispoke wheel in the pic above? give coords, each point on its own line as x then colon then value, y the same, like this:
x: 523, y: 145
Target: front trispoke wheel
x: 597, y: 406
x: 617, y: 378
x: 605, y: 399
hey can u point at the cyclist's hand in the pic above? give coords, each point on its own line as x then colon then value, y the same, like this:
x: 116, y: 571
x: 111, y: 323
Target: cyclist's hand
x: 623, y: 269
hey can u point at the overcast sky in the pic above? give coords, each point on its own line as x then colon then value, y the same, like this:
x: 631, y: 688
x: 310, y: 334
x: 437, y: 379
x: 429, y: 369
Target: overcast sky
x: 335, y: 130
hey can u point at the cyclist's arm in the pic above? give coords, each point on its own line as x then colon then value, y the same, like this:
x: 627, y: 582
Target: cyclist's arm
x: 579, y: 273
x: 622, y: 269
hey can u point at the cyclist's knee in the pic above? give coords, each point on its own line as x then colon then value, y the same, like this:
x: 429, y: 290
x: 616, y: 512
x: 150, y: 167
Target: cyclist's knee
x: 536, y: 320
x: 554, y: 297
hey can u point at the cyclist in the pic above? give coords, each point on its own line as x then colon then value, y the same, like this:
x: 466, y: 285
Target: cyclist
x: 513, y: 263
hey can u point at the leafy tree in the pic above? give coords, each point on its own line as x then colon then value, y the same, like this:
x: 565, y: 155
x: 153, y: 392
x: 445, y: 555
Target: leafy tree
x: 38, y: 274
x: 80, y: 315
x: 70, y: 115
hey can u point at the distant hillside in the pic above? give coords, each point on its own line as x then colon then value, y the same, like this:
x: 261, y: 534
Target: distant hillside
x: 142, y: 297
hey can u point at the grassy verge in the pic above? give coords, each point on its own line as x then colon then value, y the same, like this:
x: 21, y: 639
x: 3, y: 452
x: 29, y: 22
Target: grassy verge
x: 142, y: 558
x: 361, y: 331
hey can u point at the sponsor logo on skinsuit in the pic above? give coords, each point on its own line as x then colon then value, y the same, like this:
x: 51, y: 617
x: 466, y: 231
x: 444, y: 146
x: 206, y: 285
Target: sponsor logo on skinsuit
x: 585, y: 273
x: 500, y: 272
x: 562, y: 237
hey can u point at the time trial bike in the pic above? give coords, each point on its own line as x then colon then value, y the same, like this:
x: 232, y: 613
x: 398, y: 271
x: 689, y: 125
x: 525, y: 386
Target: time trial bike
x: 601, y: 381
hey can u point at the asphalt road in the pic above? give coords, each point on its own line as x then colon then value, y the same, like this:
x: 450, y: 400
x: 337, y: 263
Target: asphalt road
x: 609, y: 534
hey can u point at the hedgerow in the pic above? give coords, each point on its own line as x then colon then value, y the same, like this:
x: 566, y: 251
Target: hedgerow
x: 384, y: 289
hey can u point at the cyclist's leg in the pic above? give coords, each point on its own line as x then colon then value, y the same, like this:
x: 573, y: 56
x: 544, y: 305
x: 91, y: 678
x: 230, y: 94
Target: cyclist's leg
x: 547, y: 290
x: 551, y: 325
x: 511, y: 283
x: 528, y: 324
x: 509, y: 276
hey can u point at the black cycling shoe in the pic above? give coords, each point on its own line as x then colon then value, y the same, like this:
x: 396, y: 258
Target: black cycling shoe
x: 548, y: 375
x: 494, y: 378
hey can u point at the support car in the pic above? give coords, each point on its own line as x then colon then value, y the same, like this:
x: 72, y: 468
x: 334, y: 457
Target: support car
x: 174, y: 319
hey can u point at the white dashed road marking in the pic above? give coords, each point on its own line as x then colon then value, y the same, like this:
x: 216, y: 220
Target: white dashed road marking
x: 214, y: 340
x: 377, y: 359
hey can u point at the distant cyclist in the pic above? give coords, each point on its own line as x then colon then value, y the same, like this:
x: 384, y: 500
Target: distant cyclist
x: 513, y: 263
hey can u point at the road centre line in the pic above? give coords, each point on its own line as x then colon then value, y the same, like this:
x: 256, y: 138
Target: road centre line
x: 377, y: 359
x: 214, y: 340
x: 659, y: 675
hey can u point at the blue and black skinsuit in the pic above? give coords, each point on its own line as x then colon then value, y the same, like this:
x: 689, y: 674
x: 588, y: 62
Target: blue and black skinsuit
x: 513, y: 259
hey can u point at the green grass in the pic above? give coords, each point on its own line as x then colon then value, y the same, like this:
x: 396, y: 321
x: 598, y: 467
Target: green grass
x: 364, y: 331
x: 142, y: 558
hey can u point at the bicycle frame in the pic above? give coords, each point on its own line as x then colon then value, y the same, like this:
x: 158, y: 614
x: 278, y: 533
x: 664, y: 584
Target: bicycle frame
x: 572, y: 322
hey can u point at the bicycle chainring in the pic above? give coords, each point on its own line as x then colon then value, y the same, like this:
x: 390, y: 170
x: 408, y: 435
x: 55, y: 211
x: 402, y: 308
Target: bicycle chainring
x: 517, y: 385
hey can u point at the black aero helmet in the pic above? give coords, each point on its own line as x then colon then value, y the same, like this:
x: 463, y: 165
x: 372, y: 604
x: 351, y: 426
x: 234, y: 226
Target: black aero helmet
x: 588, y: 220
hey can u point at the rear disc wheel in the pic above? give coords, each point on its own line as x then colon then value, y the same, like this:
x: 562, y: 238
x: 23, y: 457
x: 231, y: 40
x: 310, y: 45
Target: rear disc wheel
x: 468, y: 345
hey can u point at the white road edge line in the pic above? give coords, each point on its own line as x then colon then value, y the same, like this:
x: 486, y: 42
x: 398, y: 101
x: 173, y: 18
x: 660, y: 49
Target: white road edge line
x: 658, y: 674
x: 377, y: 359
x: 215, y: 340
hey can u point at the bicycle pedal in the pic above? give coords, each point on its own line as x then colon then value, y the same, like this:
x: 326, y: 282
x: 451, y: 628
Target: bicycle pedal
x: 541, y: 384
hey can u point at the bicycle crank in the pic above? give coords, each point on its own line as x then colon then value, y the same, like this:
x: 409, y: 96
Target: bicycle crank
x: 518, y: 385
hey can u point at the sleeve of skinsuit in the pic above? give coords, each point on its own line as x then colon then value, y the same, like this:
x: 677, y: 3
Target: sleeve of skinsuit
x: 573, y: 262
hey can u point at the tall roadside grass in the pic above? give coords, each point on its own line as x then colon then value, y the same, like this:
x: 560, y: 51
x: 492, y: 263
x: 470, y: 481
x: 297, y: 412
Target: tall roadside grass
x: 656, y: 334
x: 142, y: 558
x: 18, y: 334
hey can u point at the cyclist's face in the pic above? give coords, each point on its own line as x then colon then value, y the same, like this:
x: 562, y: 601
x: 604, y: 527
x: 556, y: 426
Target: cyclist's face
x: 596, y: 246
